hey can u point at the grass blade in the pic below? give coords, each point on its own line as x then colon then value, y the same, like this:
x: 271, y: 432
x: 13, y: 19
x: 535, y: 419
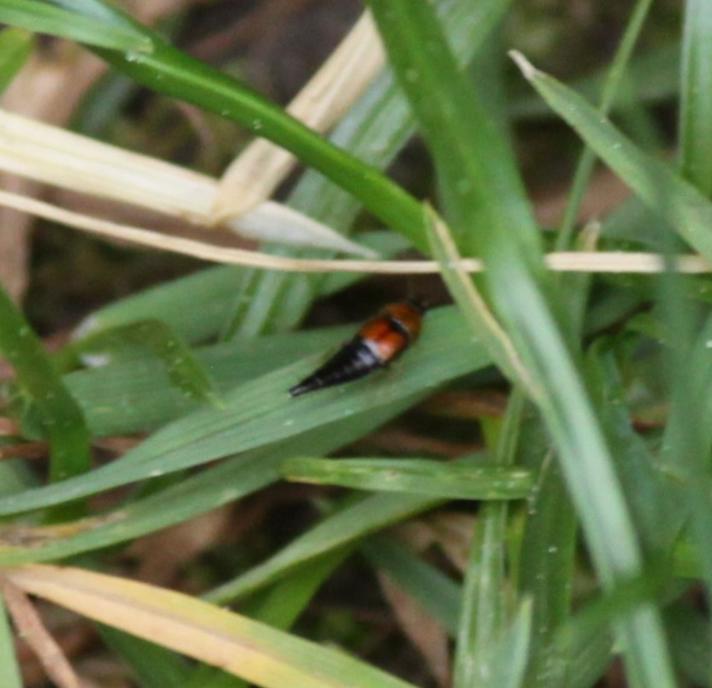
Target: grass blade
x: 173, y: 73
x: 261, y: 412
x: 351, y: 523
x: 60, y: 416
x: 485, y: 605
x: 439, y: 595
x: 233, y: 479
x: 15, y: 47
x: 488, y: 210
x: 183, y: 369
x: 9, y: 669
x: 696, y: 96
x: 414, y: 476
x: 611, y: 86
x: 679, y: 203
x: 258, y: 653
x: 43, y: 18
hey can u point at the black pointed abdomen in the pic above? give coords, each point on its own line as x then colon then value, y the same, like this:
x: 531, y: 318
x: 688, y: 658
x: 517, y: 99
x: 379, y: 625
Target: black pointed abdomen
x: 353, y: 361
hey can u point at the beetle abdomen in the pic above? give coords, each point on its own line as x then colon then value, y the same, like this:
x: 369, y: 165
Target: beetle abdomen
x: 353, y: 361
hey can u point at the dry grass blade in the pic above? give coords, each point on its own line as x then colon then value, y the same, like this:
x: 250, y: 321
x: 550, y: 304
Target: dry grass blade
x: 54, y: 156
x: 262, y: 166
x: 565, y: 261
x: 29, y: 625
x: 236, y: 644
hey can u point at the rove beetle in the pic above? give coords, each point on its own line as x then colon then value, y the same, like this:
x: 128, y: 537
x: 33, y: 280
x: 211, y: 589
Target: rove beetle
x: 379, y: 341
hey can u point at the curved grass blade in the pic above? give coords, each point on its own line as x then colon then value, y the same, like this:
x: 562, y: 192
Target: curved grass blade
x: 490, y: 215
x: 15, y: 47
x: 41, y: 17
x: 414, y: 476
x: 656, y: 74
x: 60, y: 416
x: 676, y: 201
x: 246, y: 648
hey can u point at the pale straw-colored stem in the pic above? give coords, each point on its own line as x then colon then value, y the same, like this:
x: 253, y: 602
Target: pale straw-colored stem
x: 566, y: 261
x: 255, y: 174
x: 71, y: 161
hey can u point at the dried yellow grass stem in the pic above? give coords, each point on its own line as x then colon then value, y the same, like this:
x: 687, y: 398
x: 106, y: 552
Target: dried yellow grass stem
x: 567, y: 261
x: 262, y: 166
x: 67, y: 160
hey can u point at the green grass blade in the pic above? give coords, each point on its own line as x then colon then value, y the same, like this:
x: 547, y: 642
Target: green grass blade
x: 183, y: 369
x: 509, y: 660
x: 415, y: 476
x: 176, y: 74
x: 691, y: 640
x: 227, y: 482
x: 9, y: 669
x: 15, y: 47
x: 215, y: 290
x: 351, y: 523
x: 137, y: 395
x: 261, y: 411
x: 60, y: 416
x: 435, y: 592
x: 375, y: 130
x: 40, y: 17
x: 487, y: 207
x: 421, y: 58
x: 676, y: 201
x: 696, y: 96
x: 152, y: 665
x: 687, y: 437
x: 656, y: 74
x: 611, y: 87
x: 484, y: 609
